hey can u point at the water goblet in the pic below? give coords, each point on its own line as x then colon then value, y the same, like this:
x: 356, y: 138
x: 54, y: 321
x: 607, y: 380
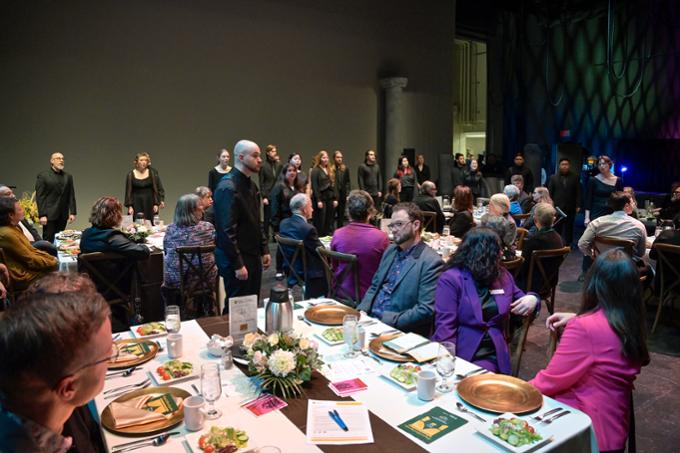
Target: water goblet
x: 350, y: 334
x: 173, y: 322
x: 211, y: 388
x: 446, y: 365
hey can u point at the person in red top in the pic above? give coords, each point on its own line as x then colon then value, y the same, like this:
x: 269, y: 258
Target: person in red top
x: 602, y: 349
x: 407, y: 177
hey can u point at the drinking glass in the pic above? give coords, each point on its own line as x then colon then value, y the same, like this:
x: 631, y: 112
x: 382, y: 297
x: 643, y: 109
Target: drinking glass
x: 156, y: 220
x: 173, y: 322
x: 446, y: 231
x: 446, y: 365
x: 350, y: 334
x: 211, y: 388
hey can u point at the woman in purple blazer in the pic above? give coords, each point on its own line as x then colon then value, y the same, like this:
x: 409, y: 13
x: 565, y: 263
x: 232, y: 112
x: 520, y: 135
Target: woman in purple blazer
x: 601, y: 350
x: 474, y: 297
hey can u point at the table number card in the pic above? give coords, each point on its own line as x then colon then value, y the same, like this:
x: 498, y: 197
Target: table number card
x: 242, y: 317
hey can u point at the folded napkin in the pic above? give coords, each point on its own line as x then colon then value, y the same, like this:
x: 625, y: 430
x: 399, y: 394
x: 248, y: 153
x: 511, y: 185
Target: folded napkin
x: 130, y: 351
x: 144, y: 409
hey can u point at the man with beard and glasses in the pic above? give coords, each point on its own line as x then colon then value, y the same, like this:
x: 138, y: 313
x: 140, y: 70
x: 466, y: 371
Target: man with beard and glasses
x: 55, y: 197
x: 402, y: 290
x: 242, y: 249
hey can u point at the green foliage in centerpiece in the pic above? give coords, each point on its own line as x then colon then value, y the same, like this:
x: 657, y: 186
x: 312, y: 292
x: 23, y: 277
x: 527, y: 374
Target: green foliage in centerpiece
x: 282, y: 360
x: 137, y: 233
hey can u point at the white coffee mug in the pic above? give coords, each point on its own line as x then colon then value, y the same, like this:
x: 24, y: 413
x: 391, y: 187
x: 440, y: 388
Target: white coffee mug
x: 174, y: 343
x: 425, y: 386
x: 194, y: 414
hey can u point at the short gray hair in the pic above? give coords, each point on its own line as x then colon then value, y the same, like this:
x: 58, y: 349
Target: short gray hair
x: 501, y: 201
x: 517, y: 178
x: 427, y: 185
x: 185, y: 210
x: 202, y: 191
x: 511, y: 191
x: 545, y: 214
x: 506, y: 229
x: 5, y: 191
x: 360, y: 205
x: 298, y: 202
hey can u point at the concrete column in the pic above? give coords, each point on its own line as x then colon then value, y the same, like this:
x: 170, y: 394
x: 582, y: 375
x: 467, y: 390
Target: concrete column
x: 394, y: 127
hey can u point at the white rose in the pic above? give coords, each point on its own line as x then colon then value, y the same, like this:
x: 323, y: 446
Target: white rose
x: 273, y: 339
x: 304, y: 343
x: 281, y: 362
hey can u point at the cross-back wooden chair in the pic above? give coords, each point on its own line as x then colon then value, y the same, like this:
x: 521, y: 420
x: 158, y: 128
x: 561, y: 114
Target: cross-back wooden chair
x: 514, y: 265
x: 669, y: 275
x: 293, y: 250
x: 112, y: 287
x: 603, y: 243
x: 519, y: 238
x: 330, y: 260
x: 521, y: 217
x: 429, y: 221
x: 195, y: 281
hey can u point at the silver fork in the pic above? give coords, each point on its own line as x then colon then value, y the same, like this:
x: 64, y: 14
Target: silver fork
x: 122, y: 387
x: 122, y: 373
x: 121, y: 392
x: 156, y: 442
x: 539, y: 418
x: 555, y: 417
x: 470, y: 373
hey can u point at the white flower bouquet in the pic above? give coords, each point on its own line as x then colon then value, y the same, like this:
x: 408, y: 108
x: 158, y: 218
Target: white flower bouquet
x: 282, y: 360
x: 136, y: 233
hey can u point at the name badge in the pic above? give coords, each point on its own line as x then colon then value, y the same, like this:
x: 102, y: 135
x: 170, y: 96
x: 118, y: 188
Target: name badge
x: 497, y: 291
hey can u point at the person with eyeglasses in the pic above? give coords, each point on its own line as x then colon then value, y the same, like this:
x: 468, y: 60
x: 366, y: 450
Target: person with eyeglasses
x: 54, y: 351
x: 402, y: 290
x: 671, y: 206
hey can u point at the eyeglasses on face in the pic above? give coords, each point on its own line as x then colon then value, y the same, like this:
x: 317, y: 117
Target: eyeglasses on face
x: 397, y: 225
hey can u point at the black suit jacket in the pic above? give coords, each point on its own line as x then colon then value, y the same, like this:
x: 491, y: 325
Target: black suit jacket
x: 295, y: 227
x: 31, y: 229
x: 430, y: 204
x: 55, y: 195
x: 565, y: 190
x: 267, y: 176
x: 544, y: 239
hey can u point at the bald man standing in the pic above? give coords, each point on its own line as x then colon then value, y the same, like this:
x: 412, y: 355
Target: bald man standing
x: 56, y: 197
x: 242, y: 249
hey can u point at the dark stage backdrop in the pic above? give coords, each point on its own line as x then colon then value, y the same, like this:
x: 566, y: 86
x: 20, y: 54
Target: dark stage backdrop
x: 101, y: 81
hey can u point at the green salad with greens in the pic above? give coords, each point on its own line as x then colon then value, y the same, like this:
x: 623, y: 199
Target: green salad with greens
x: 223, y: 440
x: 514, y: 431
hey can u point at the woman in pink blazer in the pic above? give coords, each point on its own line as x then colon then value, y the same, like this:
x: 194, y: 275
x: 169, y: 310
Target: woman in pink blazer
x: 602, y: 349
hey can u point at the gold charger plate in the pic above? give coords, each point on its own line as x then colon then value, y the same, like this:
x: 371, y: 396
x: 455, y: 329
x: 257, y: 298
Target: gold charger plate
x: 500, y: 393
x: 329, y: 315
x: 153, y: 349
x: 149, y: 428
x: 377, y: 348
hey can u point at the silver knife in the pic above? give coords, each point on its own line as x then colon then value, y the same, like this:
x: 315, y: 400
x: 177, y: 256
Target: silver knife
x: 135, y: 442
x: 555, y: 417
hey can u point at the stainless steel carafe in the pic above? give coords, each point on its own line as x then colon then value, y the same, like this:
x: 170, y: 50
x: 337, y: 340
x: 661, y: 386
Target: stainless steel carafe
x: 279, y: 309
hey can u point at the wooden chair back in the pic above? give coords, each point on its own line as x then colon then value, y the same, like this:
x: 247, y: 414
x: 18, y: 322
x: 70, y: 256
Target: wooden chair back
x: 330, y: 260
x: 519, y: 238
x: 669, y: 274
x: 546, y: 265
x: 195, y: 281
x: 513, y: 266
x: 603, y: 243
x: 293, y: 250
x: 429, y: 221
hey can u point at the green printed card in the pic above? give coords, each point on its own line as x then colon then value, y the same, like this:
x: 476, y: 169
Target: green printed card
x: 433, y: 424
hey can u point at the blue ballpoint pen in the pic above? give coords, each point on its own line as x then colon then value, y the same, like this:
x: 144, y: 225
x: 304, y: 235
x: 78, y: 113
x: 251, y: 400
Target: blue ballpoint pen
x: 337, y: 421
x: 341, y: 422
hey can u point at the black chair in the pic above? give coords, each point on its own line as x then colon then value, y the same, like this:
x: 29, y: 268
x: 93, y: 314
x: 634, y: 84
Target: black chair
x: 117, y: 279
x: 669, y: 275
x: 195, y: 282
x: 429, y: 221
x: 293, y: 250
x: 351, y: 270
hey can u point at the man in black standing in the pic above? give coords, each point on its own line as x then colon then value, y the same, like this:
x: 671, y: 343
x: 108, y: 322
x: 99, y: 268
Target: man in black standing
x: 459, y: 171
x: 519, y: 169
x: 242, y: 249
x: 565, y: 190
x: 370, y: 178
x: 56, y: 198
x: 267, y: 178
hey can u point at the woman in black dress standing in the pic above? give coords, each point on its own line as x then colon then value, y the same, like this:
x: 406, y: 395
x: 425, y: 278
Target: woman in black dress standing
x: 144, y: 192
x: 324, y: 194
x: 221, y: 169
x: 599, y: 189
x: 422, y: 171
x: 407, y: 177
x: 343, y: 184
x: 392, y: 197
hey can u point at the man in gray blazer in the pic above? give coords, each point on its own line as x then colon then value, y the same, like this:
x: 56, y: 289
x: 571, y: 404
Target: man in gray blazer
x: 402, y: 291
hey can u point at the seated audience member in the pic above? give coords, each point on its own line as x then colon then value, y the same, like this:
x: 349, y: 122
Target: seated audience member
x: 671, y: 205
x: 188, y: 230
x: 361, y: 239
x: 619, y: 225
x: 392, y: 197
x: 54, y: 350
x: 24, y: 262
x: 498, y: 219
x: 512, y: 193
x: 298, y: 227
x: 427, y: 202
x: 539, y: 195
x: 29, y: 230
x: 206, y: 202
x: 601, y: 350
x: 631, y: 192
x: 462, y: 219
x: 525, y: 201
x: 475, y: 296
x: 286, y: 186
x: 81, y: 426
x: 402, y: 290
x: 671, y: 237
x: 545, y: 238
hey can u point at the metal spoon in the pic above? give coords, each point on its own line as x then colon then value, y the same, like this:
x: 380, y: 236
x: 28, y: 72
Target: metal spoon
x: 555, y: 417
x: 541, y: 417
x: 122, y: 373
x: 470, y: 373
x: 462, y: 408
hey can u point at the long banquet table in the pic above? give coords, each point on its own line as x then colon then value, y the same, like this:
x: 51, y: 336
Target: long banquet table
x: 389, y: 404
